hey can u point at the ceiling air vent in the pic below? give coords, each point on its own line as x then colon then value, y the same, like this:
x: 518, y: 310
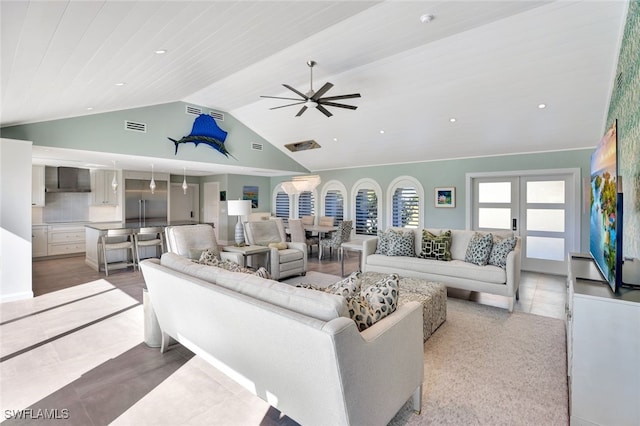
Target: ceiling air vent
x: 192, y: 110
x: 302, y: 146
x: 217, y: 115
x: 257, y: 146
x: 135, y: 127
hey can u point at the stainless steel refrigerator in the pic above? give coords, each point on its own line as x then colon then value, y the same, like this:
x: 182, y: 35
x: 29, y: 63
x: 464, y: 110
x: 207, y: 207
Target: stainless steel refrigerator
x: 142, y: 206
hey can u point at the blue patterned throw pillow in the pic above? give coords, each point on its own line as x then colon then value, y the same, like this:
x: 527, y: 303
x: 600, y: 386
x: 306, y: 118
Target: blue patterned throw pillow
x: 401, y: 243
x: 500, y: 250
x: 479, y: 249
x: 383, y: 242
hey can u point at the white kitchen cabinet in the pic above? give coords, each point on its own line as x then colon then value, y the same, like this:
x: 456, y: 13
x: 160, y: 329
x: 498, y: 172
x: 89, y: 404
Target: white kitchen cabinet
x: 39, y: 240
x: 37, y: 186
x: 102, y: 192
x: 603, y: 348
x: 65, y: 239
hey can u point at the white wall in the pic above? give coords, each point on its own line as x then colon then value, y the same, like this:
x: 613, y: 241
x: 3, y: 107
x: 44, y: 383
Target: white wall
x: 15, y: 220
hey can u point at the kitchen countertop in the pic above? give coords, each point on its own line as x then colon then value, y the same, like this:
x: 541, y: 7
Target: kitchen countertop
x: 105, y: 226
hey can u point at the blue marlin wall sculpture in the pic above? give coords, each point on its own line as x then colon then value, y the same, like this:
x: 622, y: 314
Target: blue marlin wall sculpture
x: 205, y: 130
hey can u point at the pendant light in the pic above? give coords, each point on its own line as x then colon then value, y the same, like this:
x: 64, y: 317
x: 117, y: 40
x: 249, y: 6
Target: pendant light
x: 152, y: 185
x: 185, y: 187
x: 114, y: 181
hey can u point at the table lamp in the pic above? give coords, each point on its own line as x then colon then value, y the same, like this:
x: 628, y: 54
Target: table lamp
x: 239, y: 208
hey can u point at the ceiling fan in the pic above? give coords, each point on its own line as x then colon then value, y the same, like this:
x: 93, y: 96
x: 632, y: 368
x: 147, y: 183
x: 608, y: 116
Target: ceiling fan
x: 313, y: 99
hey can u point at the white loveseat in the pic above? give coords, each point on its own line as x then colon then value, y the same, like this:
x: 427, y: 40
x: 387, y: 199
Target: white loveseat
x: 295, y: 348
x: 455, y: 273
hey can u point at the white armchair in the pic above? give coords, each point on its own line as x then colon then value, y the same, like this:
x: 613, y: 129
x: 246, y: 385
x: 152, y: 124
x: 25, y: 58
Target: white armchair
x: 286, y: 262
x: 191, y: 240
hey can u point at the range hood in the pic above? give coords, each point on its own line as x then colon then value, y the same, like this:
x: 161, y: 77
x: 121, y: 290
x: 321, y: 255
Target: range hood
x: 67, y: 179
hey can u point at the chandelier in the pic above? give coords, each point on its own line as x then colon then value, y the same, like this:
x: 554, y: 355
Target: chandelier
x: 299, y: 184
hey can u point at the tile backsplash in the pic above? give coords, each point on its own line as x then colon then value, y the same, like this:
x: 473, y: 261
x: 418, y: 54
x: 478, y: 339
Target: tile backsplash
x: 66, y: 207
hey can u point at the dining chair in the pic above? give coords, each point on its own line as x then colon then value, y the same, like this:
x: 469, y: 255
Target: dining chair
x: 298, y: 235
x: 326, y: 221
x: 341, y: 235
x: 308, y: 220
x: 118, y: 239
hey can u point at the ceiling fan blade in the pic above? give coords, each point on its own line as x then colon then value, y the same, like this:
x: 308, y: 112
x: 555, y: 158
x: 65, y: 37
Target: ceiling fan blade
x: 322, y: 91
x: 333, y: 104
x: 279, y: 97
x: 288, y: 105
x: 335, y: 98
x: 323, y: 110
x: 303, y: 109
x: 295, y: 91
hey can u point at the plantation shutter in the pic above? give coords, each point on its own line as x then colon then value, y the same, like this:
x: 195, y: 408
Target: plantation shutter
x: 406, y: 208
x: 366, y: 212
x: 306, y: 204
x: 282, y: 205
x: 334, y: 205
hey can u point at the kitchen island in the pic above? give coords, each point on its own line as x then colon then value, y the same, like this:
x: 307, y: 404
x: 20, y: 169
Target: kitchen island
x: 94, y: 231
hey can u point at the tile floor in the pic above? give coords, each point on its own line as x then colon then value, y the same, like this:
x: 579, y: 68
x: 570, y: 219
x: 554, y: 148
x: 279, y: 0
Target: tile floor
x: 77, y: 351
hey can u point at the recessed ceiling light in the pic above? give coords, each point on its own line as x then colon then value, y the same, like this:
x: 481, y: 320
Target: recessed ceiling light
x: 160, y: 51
x: 381, y: 131
x: 427, y: 17
x: 122, y: 83
x: 335, y: 139
x: 89, y: 108
x: 453, y: 120
x: 542, y: 106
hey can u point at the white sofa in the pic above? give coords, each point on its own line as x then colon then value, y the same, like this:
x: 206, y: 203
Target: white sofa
x: 295, y: 348
x: 455, y: 273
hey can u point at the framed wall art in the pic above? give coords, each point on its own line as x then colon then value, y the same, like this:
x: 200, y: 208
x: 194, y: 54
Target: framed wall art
x: 250, y: 193
x: 445, y: 197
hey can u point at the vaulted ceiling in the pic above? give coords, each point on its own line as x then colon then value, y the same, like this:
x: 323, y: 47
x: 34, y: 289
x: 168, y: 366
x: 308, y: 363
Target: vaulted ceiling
x: 486, y: 64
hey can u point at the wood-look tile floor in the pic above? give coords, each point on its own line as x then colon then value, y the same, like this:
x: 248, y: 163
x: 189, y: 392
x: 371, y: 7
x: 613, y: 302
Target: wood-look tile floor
x: 77, y: 350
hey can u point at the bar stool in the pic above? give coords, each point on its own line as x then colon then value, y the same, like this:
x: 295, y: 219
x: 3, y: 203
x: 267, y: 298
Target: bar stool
x: 118, y: 239
x: 156, y: 239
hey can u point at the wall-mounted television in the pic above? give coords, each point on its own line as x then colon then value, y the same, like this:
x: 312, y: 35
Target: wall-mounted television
x: 605, y: 237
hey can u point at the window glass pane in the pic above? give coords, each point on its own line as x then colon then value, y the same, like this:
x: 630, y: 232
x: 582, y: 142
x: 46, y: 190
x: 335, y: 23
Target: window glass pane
x: 306, y: 204
x: 494, y: 192
x: 546, y: 192
x: 545, y: 248
x: 494, y: 218
x: 334, y: 205
x: 366, y: 212
x: 551, y: 220
x: 282, y: 205
x: 405, y: 208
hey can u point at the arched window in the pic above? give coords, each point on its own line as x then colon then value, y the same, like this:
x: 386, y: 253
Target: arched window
x: 366, y: 214
x: 334, y: 194
x: 406, y: 197
x: 282, y: 203
x: 334, y: 205
x: 306, y: 204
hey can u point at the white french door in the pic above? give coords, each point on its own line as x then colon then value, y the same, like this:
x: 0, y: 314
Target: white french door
x: 540, y: 207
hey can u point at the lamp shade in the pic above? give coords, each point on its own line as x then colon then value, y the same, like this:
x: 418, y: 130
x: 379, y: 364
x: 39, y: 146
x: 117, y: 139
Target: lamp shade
x: 238, y: 207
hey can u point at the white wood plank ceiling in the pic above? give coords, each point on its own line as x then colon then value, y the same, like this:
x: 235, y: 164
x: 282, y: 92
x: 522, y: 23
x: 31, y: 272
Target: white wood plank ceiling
x: 488, y: 64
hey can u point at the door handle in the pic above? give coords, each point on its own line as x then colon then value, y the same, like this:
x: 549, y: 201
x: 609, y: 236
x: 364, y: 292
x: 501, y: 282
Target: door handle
x: 514, y: 224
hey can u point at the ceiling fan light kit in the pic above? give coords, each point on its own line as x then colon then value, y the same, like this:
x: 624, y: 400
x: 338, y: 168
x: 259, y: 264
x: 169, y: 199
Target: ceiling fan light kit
x: 313, y: 99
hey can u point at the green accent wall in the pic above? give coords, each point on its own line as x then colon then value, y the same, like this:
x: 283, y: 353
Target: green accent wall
x: 625, y: 107
x: 105, y: 133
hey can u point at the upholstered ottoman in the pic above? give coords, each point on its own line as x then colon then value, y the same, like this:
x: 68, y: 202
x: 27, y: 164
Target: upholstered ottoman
x: 432, y: 295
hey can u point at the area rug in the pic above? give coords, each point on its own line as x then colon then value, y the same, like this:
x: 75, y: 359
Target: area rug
x: 485, y: 366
